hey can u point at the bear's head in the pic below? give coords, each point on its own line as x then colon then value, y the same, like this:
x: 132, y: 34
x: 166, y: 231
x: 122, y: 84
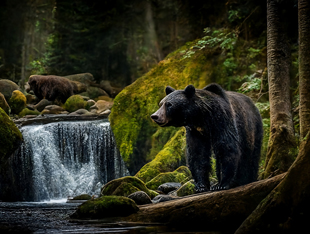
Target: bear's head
x: 32, y: 82
x: 174, y: 108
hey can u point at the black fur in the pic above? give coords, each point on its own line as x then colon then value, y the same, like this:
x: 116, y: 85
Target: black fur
x: 227, y: 123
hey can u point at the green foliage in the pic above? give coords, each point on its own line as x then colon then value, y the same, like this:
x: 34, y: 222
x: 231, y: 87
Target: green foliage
x: 222, y: 38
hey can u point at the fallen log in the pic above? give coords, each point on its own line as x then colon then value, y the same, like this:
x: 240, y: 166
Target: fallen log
x: 211, y: 211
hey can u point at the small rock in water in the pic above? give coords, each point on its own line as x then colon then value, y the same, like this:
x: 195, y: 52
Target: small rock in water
x: 163, y: 198
x: 168, y: 187
x: 140, y: 198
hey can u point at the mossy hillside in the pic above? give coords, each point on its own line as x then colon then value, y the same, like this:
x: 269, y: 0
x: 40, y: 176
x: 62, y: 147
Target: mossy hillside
x: 106, y: 206
x: 11, y: 137
x: 130, y: 116
x: 168, y: 159
x: 17, y: 102
x: 180, y: 175
x: 74, y: 103
x: 125, y: 186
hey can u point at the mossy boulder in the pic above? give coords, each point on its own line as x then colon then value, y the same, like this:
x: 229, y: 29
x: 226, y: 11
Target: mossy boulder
x: 180, y: 175
x: 125, y: 186
x: 17, y: 102
x: 106, y: 206
x: 7, y: 87
x: 186, y: 189
x: 168, y: 159
x: 82, y: 197
x: 11, y: 137
x: 74, y: 103
x: 26, y: 111
x: 3, y: 104
x: 130, y: 116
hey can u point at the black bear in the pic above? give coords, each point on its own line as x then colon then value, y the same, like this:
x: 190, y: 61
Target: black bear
x: 223, y: 122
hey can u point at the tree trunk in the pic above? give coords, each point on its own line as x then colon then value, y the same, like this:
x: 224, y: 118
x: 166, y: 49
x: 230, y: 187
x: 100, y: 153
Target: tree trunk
x: 304, y: 66
x: 208, y: 211
x: 281, y: 146
x: 287, y: 207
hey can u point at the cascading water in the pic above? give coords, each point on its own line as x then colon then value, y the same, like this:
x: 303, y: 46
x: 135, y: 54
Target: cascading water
x: 64, y: 159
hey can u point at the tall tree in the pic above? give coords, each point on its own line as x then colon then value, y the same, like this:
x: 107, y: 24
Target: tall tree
x: 281, y: 145
x: 287, y: 207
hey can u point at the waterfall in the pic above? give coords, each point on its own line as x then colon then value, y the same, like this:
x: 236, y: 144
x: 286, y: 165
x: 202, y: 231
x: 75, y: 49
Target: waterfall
x: 65, y: 158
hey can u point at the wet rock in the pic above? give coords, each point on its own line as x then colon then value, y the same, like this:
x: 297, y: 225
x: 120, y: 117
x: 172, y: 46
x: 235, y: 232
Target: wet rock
x: 106, y: 206
x: 11, y: 137
x: 7, y: 87
x: 163, y: 198
x: 28, y: 112
x: 17, y: 102
x: 180, y: 175
x: 82, y: 112
x: 90, y: 102
x: 168, y: 187
x: 140, y: 198
x: 186, y: 189
x: 101, y: 106
x: 53, y: 109
x: 42, y: 104
x: 82, y: 197
x: 31, y: 99
x: 106, y: 112
x: 94, y: 92
x: 3, y: 104
x: 125, y: 186
x: 75, y: 103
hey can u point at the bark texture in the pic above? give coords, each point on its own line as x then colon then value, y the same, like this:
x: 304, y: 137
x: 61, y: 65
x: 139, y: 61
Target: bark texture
x: 208, y: 211
x: 287, y: 208
x: 304, y: 66
x: 281, y: 145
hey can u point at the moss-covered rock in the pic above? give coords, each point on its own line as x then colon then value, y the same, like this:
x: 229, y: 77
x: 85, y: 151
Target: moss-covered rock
x: 17, y: 102
x: 180, y: 175
x: 125, y: 186
x: 74, y: 103
x: 168, y: 159
x: 130, y: 116
x: 106, y: 206
x: 7, y: 87
x: 3, y: 104
x: 186, y: 189
x: 82, y: 197
x: 26, y: 111
x: 11, y: 137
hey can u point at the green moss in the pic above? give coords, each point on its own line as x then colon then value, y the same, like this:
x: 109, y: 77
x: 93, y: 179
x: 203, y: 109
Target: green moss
x: 106, y: 206
x: 11, y: 137
x: 82, y: 197
x: 130, y: 116
x: 17, y: 102
x: 74, y: 103
x: 125, y: 186
x: 186, y: 189
x: 26, y: 111
x: 180, y: 175
x: 167, y: 160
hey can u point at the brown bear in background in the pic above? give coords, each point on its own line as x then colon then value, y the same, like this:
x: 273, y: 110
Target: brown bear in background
x: 51, y: 87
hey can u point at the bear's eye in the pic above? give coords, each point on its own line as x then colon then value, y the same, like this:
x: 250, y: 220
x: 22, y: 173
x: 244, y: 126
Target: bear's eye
x: 168, y: 104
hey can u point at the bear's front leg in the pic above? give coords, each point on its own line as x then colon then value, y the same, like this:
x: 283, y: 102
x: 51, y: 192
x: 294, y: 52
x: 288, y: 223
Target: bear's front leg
x: 198, y: 158
x: 227, y: 157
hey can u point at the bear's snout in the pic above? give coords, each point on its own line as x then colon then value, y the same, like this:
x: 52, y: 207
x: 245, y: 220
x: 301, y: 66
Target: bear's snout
x: 154, y: 117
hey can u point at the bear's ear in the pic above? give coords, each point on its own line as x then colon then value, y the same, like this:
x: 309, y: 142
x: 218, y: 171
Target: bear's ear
x: 189, y: 91
x: 215, y: 88
x: 169, y: 90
